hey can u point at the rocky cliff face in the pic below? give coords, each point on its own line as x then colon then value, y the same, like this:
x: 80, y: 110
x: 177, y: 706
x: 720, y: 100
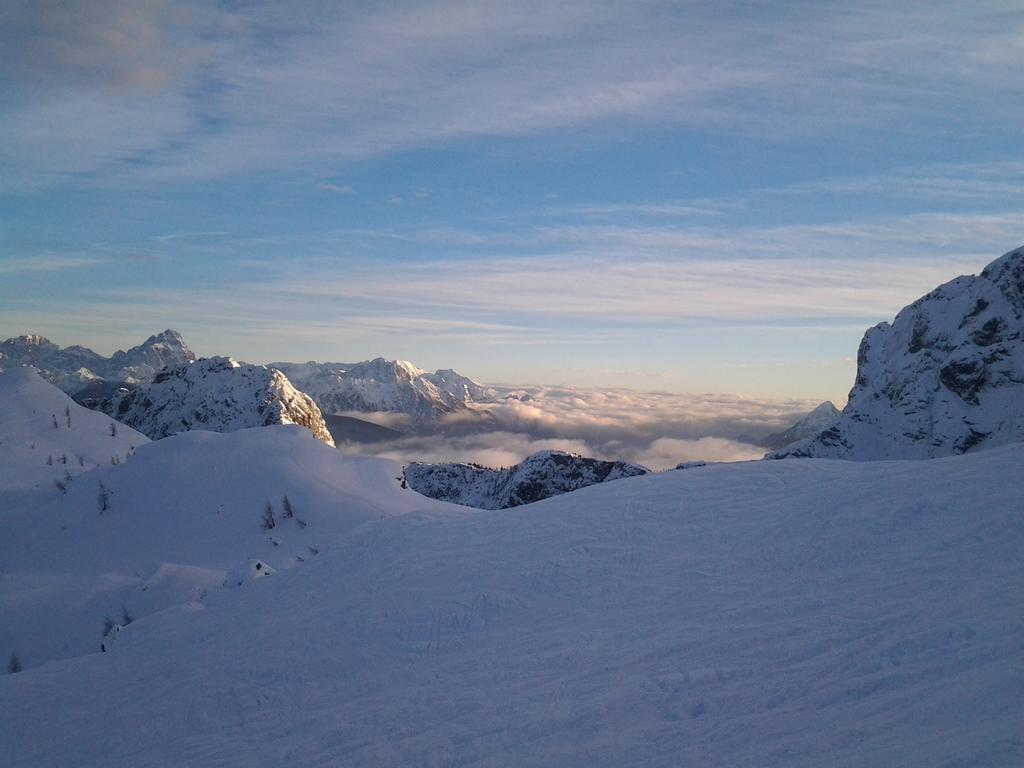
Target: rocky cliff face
x: 391, y: 386
x: 76, y: 369
x: 215, y: 394
x: 946, y: 377
x: 545, y: 474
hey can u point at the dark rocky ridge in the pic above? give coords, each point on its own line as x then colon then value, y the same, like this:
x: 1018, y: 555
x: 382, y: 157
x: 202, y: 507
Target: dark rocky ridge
x: 537, y: 477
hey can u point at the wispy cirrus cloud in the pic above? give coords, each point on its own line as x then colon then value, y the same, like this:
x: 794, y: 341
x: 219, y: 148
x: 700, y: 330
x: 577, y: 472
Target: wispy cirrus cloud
x: 338, y: 189
x: 571, y: 285
x: 1001, y: 182
x: 176, y: 89
x: 45, y: 262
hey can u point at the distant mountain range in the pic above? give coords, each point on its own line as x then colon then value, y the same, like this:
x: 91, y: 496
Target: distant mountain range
x: 83, y: 373
x: 945, y: 377
x: 540, y: 476
x: 429, y: 401
x: 130, y: 386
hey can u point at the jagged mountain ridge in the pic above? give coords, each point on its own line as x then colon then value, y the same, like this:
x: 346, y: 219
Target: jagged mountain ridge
x: 391, y: 386
x: 76, y: 368
x: 945, y: 377
x: 540, y: 476
x: 215, y: 394
x: 815, y: 422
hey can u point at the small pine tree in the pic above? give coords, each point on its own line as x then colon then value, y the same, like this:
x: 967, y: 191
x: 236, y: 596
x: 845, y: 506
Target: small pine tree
x: 113, y: 429
x: 63, y: 458
x: 14, y: 665
x: 288, y: 511
x: 67, y: 415
x: 81, y: 460
x: 55, y: 424
x: 103, y: 498
x: 49, y: 460
x: 268, y: 517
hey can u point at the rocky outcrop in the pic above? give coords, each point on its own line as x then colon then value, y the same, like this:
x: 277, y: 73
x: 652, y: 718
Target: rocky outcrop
x: 945, y: 377
x: 545, y: 474
x: 215, y: 394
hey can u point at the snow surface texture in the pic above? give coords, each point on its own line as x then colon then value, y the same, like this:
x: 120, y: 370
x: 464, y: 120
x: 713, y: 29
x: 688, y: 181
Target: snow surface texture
x: 216, y: 394
x: 811, y: 425
x: 77, y: 368
x: 391, y: 386
x: 180, y: 513
x: 946, y: 377
x: 798, y: 613
x: 540, y: 476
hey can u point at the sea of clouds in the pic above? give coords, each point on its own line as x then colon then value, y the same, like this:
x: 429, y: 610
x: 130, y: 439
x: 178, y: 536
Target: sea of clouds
x: 656, y: 429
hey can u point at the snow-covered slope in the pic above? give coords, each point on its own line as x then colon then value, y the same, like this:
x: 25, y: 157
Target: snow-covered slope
x: 216, y: 394
x: 815, y: 422
x: 540, y: 476
x: 76, y: 368
x: 392, y: 386
x: 163, y: 525
x: 47, y: 439
x: 798, y: 614
x: 946, y: 377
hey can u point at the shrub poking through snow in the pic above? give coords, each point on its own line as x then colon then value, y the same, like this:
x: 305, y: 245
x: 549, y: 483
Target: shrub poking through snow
x: 103, y: 498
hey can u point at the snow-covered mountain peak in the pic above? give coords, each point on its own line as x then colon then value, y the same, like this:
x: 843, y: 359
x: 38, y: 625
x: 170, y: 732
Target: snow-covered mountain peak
x: 392, y: 386
x: 1008, y: 273
x: 821, y: 418
x: 945, y: 377
x: 30, y: 341
x: 540, y: 476
x: 75, y: 368
x: 217, y: 394
x: 141, y: 363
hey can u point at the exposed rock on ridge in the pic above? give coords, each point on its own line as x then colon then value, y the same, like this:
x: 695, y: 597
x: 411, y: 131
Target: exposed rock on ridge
x: 215, y: 394
x: 540, y: 476
x: 946, y: 377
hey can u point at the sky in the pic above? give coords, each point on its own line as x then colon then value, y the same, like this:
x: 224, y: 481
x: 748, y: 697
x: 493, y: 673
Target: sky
x: 679, y: 196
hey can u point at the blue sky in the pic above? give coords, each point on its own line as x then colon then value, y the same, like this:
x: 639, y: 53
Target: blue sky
x: 684, y: 196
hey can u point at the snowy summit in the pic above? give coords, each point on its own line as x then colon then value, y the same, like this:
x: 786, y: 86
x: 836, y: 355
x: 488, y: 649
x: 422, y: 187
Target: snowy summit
x: 945, y: 377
